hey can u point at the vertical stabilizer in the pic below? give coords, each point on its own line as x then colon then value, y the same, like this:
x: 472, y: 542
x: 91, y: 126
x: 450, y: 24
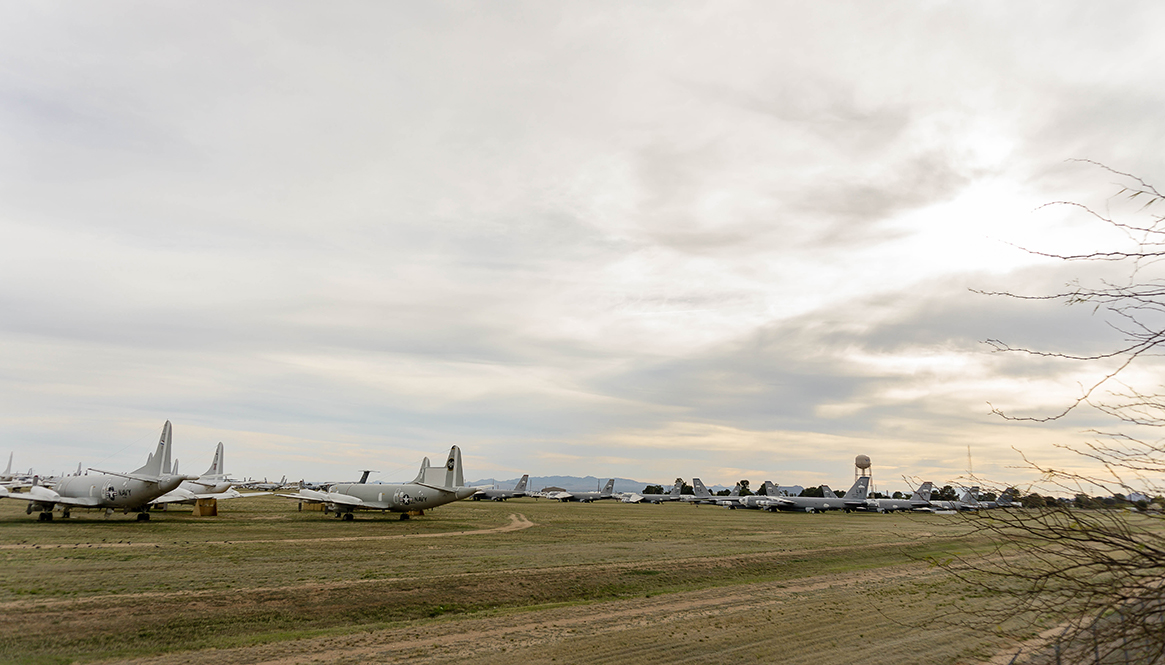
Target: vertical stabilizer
x: 453, y: 474
x: 521, y: 486
x: 215, y: 469
x: 699, y: 489
x: 422, y: 473
x: 154, y: 464
x: 677, y: 488
x: 609, y: 488
x: 447, y: 475
x: 768, y: 489
x: 923, y: 492
x: 828, y: 493
x: 8, y: 469
x: 859, y: 491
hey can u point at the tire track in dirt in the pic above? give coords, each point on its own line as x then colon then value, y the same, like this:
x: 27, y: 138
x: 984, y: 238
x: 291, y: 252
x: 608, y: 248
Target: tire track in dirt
x: 311, y: 587
x: 517, y: 523
x: 446, y: 639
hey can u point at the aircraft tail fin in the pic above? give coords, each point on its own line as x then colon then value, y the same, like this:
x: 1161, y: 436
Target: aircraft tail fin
x: 521, y: 486
x: 735, y: 490
x: 8, y: 469
x: 923, y: 491
x: 215, y: 466
x: 154, y: 464
x: 447, y: 475
x: 609, y: 488
x: 677, y: 488
x: 699, y: 489
x: 768, y: 489
x: 859, y: 491
x: 828, y: 493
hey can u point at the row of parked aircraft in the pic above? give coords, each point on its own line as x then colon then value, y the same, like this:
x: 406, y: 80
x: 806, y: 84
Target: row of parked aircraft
x: 158, y: 483
x: 855, y: 499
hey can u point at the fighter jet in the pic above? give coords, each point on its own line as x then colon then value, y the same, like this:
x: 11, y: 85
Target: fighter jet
x: 608, y: 492
x: 854, y: 499
x: 433, y: 486
x: 501, y: 495
x: 673, y: 495
x: 107, y: 489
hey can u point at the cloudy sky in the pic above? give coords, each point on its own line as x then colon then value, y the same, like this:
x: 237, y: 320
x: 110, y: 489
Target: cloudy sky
x: 717, y: 239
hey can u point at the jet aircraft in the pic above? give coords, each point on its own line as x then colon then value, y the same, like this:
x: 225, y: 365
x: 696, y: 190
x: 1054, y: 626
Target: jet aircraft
x: 110, y: 490
x: 701, y: 494
x: 918, y: 501
x: 673, y: 495
x: 608, y: 492
x: 518, y: 492
x: 854, y: 499
x: 433, y: 486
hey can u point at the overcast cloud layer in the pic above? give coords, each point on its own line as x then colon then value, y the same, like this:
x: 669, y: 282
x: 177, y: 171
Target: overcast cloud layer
x: 726, y: 240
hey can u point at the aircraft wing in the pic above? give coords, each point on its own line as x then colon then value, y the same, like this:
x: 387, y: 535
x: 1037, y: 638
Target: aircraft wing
x: 325, y: 497
x: 46, y: 495
x: 186, y: 496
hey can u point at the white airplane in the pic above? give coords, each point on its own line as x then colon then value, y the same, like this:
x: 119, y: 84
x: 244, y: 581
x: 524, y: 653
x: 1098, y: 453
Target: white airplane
x: 213, y: 484
x: 433, y: 486
x: 110, y: 490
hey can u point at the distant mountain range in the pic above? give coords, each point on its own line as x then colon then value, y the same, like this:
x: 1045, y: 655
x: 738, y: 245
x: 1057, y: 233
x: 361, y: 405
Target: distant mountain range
x: 592, y: 483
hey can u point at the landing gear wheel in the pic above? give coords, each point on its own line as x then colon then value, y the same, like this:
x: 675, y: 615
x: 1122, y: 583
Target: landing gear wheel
x: 65, y: 514
x: 404, y: 516
x: 45, y: 517
x: 143, y: 517
x: 348, y: 517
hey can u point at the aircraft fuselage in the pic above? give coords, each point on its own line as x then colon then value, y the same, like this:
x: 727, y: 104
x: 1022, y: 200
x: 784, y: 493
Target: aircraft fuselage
x: 116, y: 492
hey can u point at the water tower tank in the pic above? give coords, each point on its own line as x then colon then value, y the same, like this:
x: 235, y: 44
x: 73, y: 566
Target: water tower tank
x: 861, y: 467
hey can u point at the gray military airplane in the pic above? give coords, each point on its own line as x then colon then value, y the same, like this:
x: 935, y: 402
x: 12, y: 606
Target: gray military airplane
x: 608, y: 492
x: 433, y: 486
x: 700, y: 494
x: 673, y: 495
x: 518, y: 492
x: 854, y: 499
x: 761, y: 499
x: 213, y: 484
x: 110, y: 490
x: 918, y: 501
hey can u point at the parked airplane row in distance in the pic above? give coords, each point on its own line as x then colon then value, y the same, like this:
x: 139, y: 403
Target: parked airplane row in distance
x: 157, y: 483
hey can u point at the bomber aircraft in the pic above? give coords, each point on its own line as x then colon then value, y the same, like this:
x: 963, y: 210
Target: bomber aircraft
x: 854, y: 499
x: 518, y: 492
x: 673, y: 495
x: 433, y: 486
x: 919, y: 500
x: 110, y: 490
x: 608, y: 492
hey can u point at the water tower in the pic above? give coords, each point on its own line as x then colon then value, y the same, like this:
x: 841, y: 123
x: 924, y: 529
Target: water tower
x: 862, y: 468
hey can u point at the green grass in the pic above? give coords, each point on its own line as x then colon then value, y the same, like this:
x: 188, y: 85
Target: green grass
x: 262, y: 573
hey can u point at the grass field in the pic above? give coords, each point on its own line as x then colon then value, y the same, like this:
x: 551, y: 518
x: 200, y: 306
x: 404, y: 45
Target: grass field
x: 522, y: 581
